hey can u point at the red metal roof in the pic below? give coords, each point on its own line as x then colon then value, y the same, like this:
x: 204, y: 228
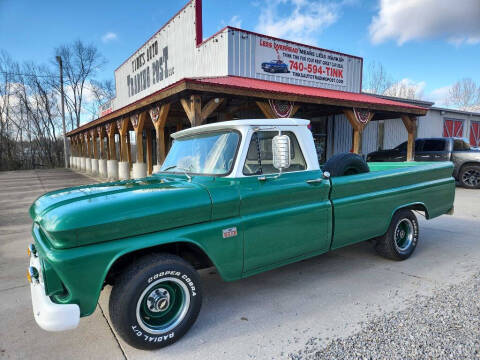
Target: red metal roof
x: 266, y: 86
x: 276, y: 87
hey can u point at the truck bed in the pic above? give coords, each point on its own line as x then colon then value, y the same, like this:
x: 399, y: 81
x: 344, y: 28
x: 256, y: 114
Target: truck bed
x: 363, y: 204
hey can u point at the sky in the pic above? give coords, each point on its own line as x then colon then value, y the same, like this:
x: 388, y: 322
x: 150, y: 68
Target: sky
x: 429, y: 44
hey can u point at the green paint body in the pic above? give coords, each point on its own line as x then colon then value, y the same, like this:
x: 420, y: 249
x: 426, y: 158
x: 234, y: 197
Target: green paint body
x: 80, y: 232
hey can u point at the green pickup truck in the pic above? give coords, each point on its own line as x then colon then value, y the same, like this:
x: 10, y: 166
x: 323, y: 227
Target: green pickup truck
x: 243, y: 196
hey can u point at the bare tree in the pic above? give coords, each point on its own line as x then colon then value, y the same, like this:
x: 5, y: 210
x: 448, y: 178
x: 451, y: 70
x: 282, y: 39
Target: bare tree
x: 102, y: 92
x: 404, y: 89
x: 7, y: 68
x: 377, y: 79
x: 30, y: 116
x: 464, y: 95
x: 80, y: 64
x: 39, y: 105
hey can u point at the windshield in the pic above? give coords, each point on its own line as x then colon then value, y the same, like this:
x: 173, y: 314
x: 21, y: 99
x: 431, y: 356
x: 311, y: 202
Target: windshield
x: 206, y: 154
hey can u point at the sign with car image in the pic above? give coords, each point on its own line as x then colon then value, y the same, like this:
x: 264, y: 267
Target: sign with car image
x: 289, y: 60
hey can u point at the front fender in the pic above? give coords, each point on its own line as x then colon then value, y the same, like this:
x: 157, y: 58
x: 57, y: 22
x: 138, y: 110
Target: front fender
x: 83, y: 270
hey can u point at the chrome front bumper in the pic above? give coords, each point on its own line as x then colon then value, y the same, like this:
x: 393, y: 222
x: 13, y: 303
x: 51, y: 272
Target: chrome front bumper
x: 48, y: 315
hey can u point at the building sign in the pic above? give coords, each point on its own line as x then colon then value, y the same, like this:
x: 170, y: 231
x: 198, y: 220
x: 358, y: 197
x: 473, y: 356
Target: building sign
x: 148, y: 68
x: 173, y: 53
x: 167, y: 57
x: 288, y: 60
x: 106, y: 108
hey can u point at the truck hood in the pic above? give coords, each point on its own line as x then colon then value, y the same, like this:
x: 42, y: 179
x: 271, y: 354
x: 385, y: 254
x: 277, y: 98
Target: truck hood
x: 100, y: 212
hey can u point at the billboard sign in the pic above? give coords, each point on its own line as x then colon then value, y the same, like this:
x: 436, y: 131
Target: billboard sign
x: 293, y: 61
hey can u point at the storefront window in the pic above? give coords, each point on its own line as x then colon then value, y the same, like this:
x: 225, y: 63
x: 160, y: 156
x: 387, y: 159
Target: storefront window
x: 319, y: 132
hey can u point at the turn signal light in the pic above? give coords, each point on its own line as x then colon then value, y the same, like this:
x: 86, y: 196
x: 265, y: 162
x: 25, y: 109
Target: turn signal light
x: 32, y: 274
x: 31, y: 250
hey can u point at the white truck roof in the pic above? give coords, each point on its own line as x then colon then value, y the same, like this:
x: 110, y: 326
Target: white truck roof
x: 232, y: 124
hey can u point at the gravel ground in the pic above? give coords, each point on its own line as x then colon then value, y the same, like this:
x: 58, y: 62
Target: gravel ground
x: 444, y: 326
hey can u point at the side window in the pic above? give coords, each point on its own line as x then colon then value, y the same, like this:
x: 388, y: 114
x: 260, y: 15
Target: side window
x: 460, y: 145
x: 402, y: 147
x: 434, y: 145
x: 260, y: 157
x: 418, y: 145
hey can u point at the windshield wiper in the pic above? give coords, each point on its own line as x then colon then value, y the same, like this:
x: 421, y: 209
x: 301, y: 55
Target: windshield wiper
x: 179, y: 168
x: 170, y: 167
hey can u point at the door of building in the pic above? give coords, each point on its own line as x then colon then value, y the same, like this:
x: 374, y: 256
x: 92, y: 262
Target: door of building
x: 452, y: 128
x: 475, y: 133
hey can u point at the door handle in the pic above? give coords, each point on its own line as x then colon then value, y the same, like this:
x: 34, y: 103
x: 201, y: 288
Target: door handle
x: 314, y: 181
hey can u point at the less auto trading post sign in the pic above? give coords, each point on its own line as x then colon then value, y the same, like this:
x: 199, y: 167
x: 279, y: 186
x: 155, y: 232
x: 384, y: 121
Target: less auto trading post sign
x: 294, y: 61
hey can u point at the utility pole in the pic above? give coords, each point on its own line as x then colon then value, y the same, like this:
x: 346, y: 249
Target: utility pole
x: 60, y: 64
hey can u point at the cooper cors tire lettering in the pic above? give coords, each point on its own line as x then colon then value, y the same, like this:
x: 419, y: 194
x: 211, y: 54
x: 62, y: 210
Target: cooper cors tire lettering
x: 155, y: 301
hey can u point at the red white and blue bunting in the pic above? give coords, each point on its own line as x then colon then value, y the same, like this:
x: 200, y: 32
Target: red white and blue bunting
x: 363, y: 116
x: 281, y: 109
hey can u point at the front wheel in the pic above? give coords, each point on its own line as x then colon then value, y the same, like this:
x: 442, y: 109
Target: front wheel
x: 401, y: 238
x: 155, y: 301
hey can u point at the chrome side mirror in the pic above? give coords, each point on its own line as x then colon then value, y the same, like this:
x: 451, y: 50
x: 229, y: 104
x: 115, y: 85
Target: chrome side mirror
x: 281, y: 152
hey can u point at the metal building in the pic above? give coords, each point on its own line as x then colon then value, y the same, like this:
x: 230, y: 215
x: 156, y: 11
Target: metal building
x: 177, y: 80
x: 437, y: 122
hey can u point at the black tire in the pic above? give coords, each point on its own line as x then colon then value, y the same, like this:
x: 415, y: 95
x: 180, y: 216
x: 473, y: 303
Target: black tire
x: 346, y: 164
x: 151, y: 283
x: 396, y: 244
x: 469, y: 176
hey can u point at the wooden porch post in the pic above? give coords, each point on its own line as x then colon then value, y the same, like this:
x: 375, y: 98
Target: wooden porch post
x: 80, y: 144
x: 358, y: 123
x: 122, y: 126
x: 357, y: 141
x: 123, y: 165
x: 266, y: 109
x: 193, y: 109
x: 101, y: 139
x: 195, y: 113
x: 410, y: 123
x: 159, y: 118
x: 87, y: 145
x: 179, y: 125
x: 111, y: 142
x: 102, y: 159
x: 149, y: 151
x: 129, y: 149
x: 139, y: 167
x: 138, y: 121
x: 94, y: 143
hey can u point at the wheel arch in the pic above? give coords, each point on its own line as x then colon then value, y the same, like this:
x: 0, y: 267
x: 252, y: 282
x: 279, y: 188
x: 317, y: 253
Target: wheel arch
x: 467, y: 163
x: 416, y: 206
x: 189, y: 251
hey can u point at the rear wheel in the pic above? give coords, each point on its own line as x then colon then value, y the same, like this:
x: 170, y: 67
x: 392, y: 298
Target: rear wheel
x: 469, y: 176
x: 155, y: 301
x: 401, y: 238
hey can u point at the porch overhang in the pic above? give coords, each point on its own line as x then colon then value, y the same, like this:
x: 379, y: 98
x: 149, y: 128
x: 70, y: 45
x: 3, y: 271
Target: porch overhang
x: 242, y: 87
